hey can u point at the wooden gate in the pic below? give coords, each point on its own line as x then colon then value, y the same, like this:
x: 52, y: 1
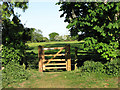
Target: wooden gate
x: 46, y: 63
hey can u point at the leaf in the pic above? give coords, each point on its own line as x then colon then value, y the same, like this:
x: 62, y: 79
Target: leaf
x: 117, y: 25
x: 110, y: 25
x: 112, y: 4
x: 117, y: 8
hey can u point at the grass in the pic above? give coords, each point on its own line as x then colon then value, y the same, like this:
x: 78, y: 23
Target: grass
x: 46, y: 43
x: 72, y: 79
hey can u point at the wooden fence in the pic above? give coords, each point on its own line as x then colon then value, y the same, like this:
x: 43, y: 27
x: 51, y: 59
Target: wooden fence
x: 46, y: 63
x: 81, y: 53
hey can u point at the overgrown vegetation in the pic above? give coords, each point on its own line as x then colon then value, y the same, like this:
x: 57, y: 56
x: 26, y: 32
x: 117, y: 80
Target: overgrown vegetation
x: 14, y: 37
x: 109, y: 68
x: 13, y: 73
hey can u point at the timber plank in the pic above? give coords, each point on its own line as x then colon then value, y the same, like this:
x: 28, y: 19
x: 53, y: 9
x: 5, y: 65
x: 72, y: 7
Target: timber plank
x: 54, y: 54
x: 55, y: 64
x: 53, y: 48
x: 56, y: 60
x: 55, y: 67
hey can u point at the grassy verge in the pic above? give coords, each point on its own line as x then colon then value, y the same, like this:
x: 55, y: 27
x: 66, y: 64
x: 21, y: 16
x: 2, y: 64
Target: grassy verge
x: 73, y: 79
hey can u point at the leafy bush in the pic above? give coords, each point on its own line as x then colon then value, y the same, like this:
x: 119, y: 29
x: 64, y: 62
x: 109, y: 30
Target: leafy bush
x: 12, y: 73
x: 113, y: 67
x: 74, y: 37
x: 91, y: 66
x: 10, y: 54
x: 110, y: 68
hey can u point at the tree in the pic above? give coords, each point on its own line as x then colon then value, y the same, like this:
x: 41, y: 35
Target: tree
x: 45, y: 39
x: 58, y: 38
x: 36, y: 35
x: 64, y: 37
x: 14, y: 34
x: 52, y: 35
x: 98, y: 21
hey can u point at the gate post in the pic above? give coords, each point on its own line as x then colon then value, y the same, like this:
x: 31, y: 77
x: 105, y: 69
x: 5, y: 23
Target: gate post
x: 40, y: 57
x: 76, y: 57
x: 68, y: 57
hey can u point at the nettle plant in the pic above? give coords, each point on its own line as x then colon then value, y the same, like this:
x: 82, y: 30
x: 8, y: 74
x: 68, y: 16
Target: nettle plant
x: 98, y: 21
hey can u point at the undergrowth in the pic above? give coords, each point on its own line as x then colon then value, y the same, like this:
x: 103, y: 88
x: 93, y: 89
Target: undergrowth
x: 13, y: 73
x: 109, y: 68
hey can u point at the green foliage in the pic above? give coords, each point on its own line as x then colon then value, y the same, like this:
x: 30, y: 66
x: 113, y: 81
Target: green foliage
x: 36, y: 35
x: 98, y: 21
x: 74, y: 37
x: 13, y: 39
x: 110, y: 68
x: 8, y: 8
x: 45, y: 39
x: 10, y: 54
x: 52, y: 36
x: 14, y: 34
x: 108, y: 51
x: 65, y: 38
x: 62, y: 38
x: 91, y: 66
x: 58, y: 38
x: 68, y: 38
x: 13, y: 73
x: 113, y: 67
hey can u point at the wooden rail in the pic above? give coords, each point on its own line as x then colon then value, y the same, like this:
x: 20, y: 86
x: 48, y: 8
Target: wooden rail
x: 46, y: 62
x: 53, y: 48
x: 55, y: 67
x: 56, y: 60
x: 57, y: 55
x: 81, y: 52
x: 55, y: 64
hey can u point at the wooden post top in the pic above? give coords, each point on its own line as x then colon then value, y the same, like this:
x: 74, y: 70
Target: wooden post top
x: 67, y: 45
x: 39, y: 46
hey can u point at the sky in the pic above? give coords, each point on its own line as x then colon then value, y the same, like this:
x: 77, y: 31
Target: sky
x: 44, y: 15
